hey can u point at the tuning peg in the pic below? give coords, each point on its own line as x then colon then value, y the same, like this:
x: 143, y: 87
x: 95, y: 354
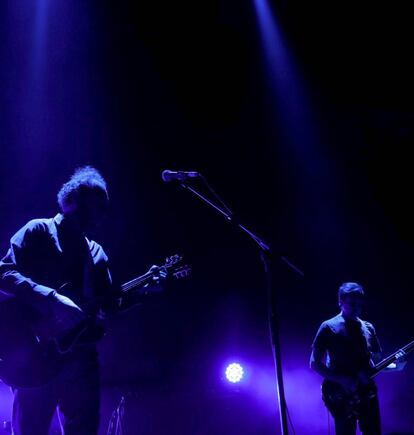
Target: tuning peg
x: 182, y: 273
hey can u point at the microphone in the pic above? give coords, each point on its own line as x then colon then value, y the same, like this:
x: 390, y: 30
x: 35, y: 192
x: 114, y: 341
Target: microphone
x: 168, y: 175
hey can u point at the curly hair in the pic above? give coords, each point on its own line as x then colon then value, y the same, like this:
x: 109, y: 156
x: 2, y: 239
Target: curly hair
x: 83, y: 178
x: 350, y: 288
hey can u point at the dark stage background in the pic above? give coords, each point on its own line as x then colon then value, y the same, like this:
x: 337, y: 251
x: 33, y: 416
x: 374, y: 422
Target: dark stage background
x: 135, y: 88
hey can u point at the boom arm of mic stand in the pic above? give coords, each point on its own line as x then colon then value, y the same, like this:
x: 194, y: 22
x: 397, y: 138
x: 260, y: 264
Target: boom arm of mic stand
x: 271, y: 296
x: 231, y: 218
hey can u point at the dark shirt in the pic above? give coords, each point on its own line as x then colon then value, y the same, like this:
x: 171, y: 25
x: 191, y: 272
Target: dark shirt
x: 349, y: 344
x: 44, y: 255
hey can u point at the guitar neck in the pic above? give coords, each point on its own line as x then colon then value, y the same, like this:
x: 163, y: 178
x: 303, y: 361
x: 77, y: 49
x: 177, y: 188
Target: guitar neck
x: 141, y: 281
x: 137, y: 282
x: 390, y: 359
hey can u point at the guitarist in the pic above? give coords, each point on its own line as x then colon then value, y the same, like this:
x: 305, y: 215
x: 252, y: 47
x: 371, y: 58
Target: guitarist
x: 343, y: 353
x: 43, y: 255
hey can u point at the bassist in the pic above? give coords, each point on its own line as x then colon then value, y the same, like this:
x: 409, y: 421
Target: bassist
x: 343, y: 353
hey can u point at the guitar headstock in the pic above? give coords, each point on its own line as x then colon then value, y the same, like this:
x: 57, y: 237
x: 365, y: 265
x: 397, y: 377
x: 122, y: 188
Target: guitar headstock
x: 176, y: 267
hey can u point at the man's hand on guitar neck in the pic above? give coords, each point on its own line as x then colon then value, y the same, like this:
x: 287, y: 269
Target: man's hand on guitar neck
x: 399, y: 362
x: 157, y: 284
x: 132, y: 297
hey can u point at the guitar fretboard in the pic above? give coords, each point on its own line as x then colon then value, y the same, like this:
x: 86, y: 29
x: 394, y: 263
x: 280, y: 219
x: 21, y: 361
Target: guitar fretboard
x: 137, y: 282
x: 387, y: 361
x: 147, y: 277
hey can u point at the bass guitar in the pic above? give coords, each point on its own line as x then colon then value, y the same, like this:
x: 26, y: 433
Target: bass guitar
x: 342, y: 403
x: 28, y: 358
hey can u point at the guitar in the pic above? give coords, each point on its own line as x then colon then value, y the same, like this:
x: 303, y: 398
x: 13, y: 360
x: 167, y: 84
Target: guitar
x: 341, y: 403
x: 29, y: 359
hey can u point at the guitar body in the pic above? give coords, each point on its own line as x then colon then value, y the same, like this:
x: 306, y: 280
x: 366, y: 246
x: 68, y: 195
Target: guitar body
x: 341, y: 403
x: 25, y: 361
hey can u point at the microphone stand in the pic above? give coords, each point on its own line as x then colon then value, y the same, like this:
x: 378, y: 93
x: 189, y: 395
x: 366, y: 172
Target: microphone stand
x: 266, y: 256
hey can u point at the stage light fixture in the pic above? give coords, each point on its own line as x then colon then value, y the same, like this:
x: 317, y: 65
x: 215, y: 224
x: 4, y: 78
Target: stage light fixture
x: 234, y: 373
